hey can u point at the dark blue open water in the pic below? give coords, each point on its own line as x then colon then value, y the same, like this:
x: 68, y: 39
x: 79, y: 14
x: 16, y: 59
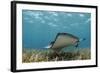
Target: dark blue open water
x: 39, y: 28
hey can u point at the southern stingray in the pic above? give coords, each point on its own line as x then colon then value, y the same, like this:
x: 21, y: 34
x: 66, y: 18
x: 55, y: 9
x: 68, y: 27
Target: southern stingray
x: 63, y: 40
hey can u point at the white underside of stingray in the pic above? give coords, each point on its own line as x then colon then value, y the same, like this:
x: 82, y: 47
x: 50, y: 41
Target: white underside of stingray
x: 48, y: 46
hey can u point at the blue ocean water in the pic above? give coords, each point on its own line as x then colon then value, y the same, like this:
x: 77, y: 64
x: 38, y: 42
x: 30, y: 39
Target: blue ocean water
x: 39, y: 28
